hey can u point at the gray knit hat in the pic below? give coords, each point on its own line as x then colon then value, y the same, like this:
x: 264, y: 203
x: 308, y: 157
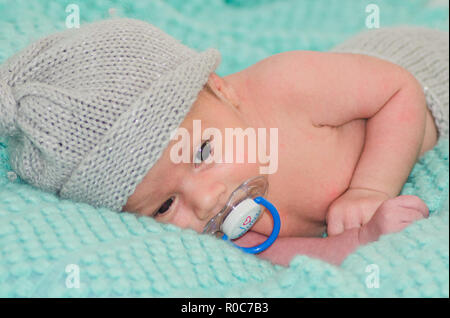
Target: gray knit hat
x: 90, y: 110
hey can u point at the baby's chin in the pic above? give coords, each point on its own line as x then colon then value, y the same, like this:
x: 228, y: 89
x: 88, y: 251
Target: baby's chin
x: 249, y: 239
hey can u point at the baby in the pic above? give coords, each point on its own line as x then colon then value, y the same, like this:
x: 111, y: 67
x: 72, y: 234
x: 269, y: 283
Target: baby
x: 351, y: 128
x: 91, y: 113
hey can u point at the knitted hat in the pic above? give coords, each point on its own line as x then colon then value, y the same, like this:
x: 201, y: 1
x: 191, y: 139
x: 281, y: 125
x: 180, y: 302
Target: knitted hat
x: 90, y: 110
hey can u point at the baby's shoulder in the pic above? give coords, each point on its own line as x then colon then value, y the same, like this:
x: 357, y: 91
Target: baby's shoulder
x: 285, y: 61
x: 284, y: 71
x: 273, y: 84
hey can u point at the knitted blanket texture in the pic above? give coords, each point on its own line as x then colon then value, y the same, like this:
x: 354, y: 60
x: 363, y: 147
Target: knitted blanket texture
x: 46, y: 243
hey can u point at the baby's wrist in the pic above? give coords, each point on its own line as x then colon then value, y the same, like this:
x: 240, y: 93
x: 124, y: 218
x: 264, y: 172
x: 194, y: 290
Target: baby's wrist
x: 380, y: 192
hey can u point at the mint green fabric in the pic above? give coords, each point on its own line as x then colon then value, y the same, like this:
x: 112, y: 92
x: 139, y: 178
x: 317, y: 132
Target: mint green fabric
x: 125, y: 255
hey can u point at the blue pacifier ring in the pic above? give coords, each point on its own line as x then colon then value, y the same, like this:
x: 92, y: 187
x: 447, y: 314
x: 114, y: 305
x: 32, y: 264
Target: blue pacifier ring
x: 275, y: 231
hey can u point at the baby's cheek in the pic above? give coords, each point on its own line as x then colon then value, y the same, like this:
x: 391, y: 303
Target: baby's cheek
x: 185, y: 220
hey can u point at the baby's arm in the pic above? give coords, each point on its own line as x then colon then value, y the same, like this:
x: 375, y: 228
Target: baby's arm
x: 393, y: 140
x: 392, y: 216
x: 338, y: 88
x: 332, y: 249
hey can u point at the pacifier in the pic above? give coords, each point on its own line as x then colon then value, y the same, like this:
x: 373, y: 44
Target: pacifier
x: 241, y: 211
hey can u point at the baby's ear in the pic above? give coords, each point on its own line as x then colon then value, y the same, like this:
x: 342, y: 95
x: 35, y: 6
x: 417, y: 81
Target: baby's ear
x: 216, y: 83
x: 223, y: 89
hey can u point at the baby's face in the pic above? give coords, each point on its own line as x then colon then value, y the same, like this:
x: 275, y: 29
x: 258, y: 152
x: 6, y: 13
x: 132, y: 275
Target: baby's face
x: 189, y: 194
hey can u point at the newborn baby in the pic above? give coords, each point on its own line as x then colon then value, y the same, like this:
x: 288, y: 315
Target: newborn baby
x: 91, y: 113
x: 351, y: 128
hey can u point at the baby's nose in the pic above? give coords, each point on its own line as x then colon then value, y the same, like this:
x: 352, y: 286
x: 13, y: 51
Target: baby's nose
x: 208, y: 200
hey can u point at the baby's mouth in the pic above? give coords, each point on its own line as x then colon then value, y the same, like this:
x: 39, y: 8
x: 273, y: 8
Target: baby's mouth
x: 249, y: 189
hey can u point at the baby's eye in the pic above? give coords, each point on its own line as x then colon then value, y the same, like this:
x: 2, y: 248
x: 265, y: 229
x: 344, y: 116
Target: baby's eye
x: 203, y: 152
x: 164, y: 207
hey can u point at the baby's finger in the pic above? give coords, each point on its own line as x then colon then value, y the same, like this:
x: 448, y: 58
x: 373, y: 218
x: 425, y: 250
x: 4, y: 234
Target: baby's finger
x: 335, y: 227
x: 352, y: 221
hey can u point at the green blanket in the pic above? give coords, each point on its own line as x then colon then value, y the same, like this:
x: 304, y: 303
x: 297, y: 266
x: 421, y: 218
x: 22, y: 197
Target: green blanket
x: 56, y: 248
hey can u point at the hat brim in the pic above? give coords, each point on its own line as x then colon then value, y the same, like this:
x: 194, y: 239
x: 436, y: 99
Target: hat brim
x: 111, y: 171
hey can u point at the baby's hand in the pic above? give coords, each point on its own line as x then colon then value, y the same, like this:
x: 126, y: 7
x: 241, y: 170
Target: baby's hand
x: 393, y: 216
x: 353, y: 209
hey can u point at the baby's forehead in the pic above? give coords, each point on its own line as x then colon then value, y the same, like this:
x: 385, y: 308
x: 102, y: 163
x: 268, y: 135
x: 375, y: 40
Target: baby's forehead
x: 209, y: 112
